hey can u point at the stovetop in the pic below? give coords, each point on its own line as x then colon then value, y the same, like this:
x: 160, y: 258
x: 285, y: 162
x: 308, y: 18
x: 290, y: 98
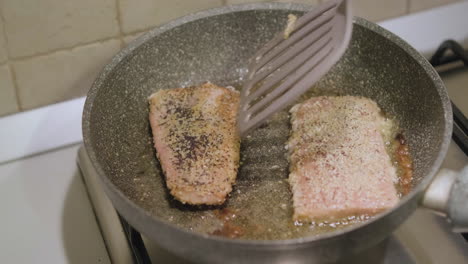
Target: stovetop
x: 423, y: 238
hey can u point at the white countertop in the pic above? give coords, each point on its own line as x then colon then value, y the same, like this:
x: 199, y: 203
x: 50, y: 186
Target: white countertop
x: 46, y: 216
x: 46, y: 213
x: 426, y: 30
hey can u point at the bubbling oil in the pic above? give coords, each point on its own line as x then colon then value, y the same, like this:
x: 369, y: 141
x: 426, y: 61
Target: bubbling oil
x: 260, y: 205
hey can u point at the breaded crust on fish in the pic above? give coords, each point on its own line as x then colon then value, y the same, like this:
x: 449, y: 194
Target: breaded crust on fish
x: 339, y: 166
x: 196, y: 140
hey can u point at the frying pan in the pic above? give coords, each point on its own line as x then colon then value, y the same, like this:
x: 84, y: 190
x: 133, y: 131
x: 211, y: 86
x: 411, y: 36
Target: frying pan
x: 215, y: 45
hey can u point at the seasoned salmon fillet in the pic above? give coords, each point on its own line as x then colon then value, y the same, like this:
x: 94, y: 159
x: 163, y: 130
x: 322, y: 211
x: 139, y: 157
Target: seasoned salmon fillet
x: 338, y: 163
x: 196, y: 141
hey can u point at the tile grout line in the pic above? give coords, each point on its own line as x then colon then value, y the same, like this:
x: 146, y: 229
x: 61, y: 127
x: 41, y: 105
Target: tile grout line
x: 40, y: 54
x: 5, y: 36
x: 408, y: 4
x: 9, y: 64
x: 145, y: 29
x: 139, y: 31
x: 149, y: 27
x: 15, y: 84
x: 118, y: 17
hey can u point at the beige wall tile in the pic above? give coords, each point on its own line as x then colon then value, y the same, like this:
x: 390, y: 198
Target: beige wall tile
x: 137, y: 15
x: 309, y: 2
x: 46, y: 25
x: 377, y: 10
x: 234, y: 2
x: 418, y: 5
x: 3, y: 48
x: 61, y: 75
x: 373, y: 10
x: 8, y: 102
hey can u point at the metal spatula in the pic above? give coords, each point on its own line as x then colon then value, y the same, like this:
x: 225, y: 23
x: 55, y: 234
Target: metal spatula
x: 293, y: 61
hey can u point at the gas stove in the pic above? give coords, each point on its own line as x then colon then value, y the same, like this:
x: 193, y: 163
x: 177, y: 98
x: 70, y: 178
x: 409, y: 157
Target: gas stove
x: 48, y: 218
x: 423, y: 238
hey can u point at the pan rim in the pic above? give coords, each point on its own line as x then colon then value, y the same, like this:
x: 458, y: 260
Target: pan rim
x: 142, y: 214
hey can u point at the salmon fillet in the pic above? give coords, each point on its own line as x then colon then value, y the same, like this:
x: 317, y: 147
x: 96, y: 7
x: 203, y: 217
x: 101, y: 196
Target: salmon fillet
x: 196, y: 140
x: 338, y: 163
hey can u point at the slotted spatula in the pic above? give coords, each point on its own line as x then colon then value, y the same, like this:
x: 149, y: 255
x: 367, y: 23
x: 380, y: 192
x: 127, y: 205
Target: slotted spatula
x: 293, y: 61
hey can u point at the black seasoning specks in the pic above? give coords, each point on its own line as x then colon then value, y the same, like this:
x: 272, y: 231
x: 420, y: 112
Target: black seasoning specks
x: 198, y: 149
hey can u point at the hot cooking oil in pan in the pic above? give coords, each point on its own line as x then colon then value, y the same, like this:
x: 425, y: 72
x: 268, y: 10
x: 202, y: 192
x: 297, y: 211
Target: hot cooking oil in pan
x: 260, y: 205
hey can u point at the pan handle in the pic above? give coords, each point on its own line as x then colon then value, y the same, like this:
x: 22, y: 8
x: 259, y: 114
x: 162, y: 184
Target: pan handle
x: 447, y: 195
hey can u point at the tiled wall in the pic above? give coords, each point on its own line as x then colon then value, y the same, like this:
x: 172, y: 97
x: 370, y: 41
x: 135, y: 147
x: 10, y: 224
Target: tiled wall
x: 51, y: 50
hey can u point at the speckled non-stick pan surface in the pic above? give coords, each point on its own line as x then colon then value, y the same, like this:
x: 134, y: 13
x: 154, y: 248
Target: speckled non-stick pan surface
x: 215, y: 46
